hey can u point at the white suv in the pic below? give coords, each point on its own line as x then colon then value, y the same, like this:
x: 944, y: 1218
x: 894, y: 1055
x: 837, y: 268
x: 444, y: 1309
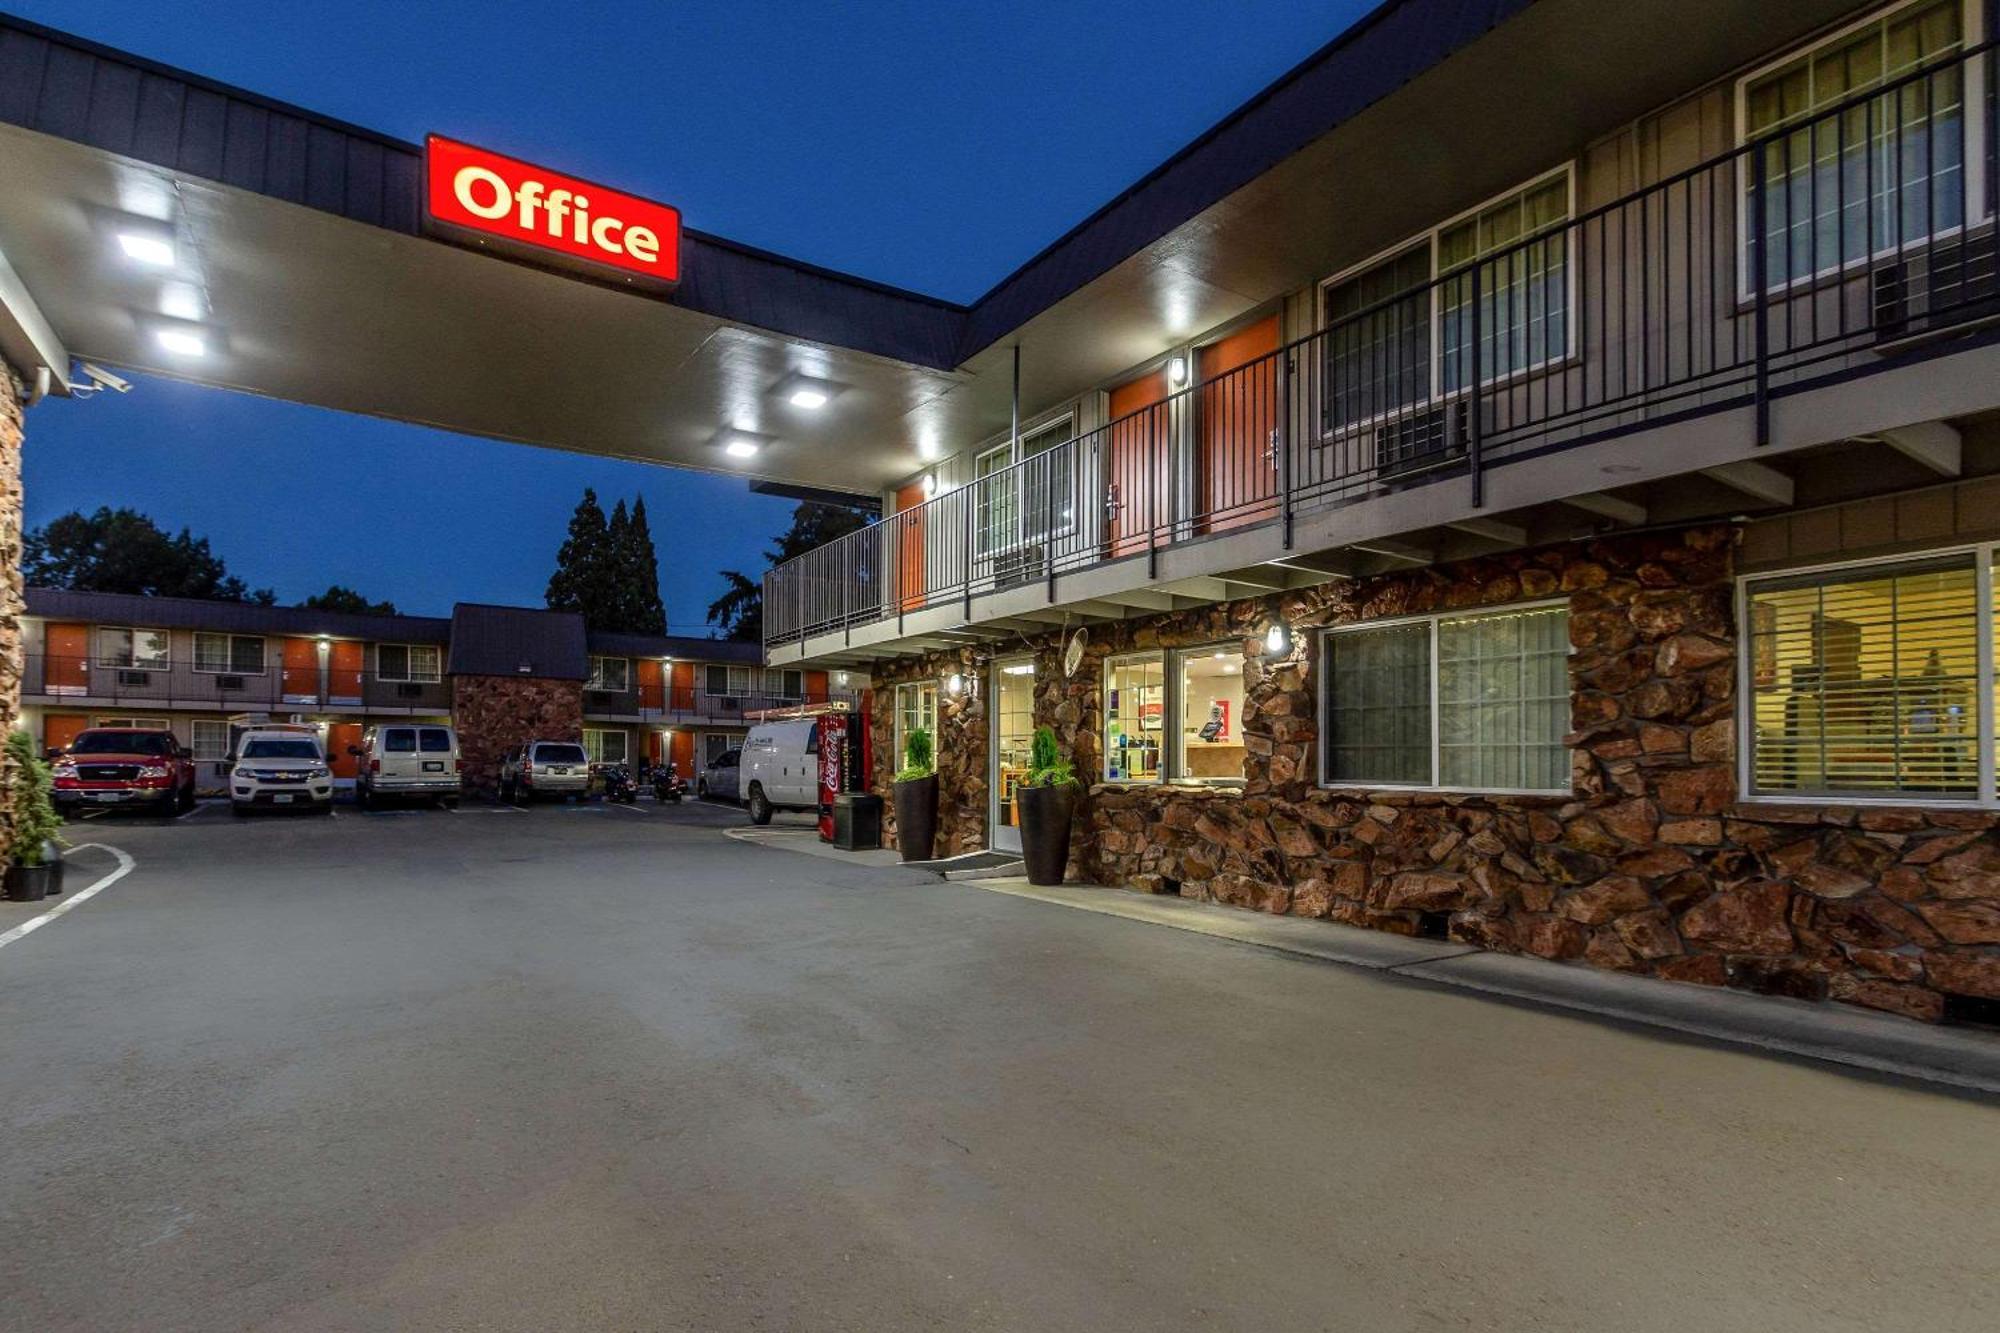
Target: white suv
x: 280, y: 768
x: 544, y: 768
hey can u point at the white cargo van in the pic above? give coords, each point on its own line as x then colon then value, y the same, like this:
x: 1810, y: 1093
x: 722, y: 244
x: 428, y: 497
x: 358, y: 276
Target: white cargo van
x: 781, y: 768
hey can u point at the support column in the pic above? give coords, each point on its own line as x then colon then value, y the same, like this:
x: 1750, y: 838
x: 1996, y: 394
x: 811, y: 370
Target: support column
x: 12, y: 431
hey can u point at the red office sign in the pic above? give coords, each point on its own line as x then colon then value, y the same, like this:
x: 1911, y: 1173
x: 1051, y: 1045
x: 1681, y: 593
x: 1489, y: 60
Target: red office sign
x: 533, y: 207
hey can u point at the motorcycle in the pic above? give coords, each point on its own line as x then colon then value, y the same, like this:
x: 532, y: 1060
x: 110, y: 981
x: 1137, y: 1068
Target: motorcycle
x: 615, y: 780
x: 668, y: 785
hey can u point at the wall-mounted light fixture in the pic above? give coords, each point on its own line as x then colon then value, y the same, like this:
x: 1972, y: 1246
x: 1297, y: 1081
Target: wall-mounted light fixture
x: 1277, y: 639
x: 1177, y: 370
x: 954, y: 684
x: 930, y: 484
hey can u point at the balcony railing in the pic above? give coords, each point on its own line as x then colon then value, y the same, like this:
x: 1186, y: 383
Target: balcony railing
x: 104, y: 681
x: 695, y: 705
x: 1808, y: 254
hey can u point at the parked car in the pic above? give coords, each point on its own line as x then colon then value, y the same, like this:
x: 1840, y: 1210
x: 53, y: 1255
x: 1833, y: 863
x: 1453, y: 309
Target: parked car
x: 780, y: 768
x: 544, y: 768
x: 719, y: 778
x: 408, y: 760
x: 270, y: 769
x: 124, y: 766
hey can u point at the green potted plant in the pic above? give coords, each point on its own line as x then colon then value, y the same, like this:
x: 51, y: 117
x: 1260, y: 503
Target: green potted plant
x: 1048, y: 804
x: 34, y: 857
x: 917, y: 798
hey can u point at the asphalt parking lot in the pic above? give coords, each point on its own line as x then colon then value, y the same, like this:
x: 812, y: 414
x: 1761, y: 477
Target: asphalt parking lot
x: 593, y: 1067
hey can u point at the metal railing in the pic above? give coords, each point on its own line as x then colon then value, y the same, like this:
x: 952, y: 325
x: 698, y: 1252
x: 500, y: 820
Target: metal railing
x: 679, y: 704
x: 113, y: 682
x: 1817, y: 250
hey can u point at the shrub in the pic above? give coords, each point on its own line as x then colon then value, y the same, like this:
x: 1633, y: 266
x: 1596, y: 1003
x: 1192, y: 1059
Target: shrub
x: 30, y: 802
x: 1046, y: 766
x: 918, y: 761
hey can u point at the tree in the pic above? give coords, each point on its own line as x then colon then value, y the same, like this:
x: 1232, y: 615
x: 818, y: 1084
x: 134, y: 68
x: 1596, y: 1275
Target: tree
x: 608, y: 571
x: 122, y: 550
x: 649, y: 612
x: 340, y: 597
x: 581, y: 562
x: 739, y: 612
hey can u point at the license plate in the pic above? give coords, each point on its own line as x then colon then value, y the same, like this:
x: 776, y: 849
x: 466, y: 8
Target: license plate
x: 433, y: 765
x: 106, y: 796
x: 281, y: 800
x: 558, y: 772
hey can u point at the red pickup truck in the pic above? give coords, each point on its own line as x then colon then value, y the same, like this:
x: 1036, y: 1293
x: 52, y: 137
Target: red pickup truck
x: 124, y: 766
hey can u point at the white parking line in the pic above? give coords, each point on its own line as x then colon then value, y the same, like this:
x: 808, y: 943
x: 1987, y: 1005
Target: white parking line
x: 126, y: 865
x: 633, y: 808
x: 199, y: 807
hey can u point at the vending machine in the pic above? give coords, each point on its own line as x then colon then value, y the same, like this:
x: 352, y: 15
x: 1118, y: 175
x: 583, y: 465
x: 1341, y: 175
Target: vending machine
x: 843, y: 763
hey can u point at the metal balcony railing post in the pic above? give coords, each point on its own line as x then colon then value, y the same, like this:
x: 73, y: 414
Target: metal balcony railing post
x: 1760, y: 228
x: 1478, y: 438
x: 1152, y: 524
x: 1283, y: 408
x: 846, y: 593
x: 967, y: 571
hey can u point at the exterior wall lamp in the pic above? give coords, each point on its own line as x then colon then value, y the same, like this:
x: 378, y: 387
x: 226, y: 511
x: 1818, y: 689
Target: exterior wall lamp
x: 1277, y: 639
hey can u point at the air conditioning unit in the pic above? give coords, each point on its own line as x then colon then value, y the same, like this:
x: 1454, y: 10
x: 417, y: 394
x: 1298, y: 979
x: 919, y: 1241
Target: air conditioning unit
x: 1943, y: 286
x: 409, y: 689
x: 1423, y: 439
x: 1020, y: 564
x: 127, y: 676
x: 229, y: 682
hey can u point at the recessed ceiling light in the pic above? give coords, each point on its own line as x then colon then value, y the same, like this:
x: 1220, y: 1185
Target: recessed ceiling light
x: 183, y: 342
x: 811, y: 399
x: 740, y: 448
x: 144, y: 249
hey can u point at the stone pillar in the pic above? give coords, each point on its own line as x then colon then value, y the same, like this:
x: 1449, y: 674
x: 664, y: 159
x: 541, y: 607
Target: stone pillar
x: 12, y: 432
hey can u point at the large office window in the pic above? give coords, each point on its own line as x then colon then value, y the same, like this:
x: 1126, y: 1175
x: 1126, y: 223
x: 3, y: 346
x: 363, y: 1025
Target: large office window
x: 1395, y: 338
x: 1864, y: 681
x: 916, y: 706
x: 1135, y: 716
x: 1210, y: 709
x: 233, y: 654
x: 1463, y: 703
x: 1887, y: 171
x: 141, y: 649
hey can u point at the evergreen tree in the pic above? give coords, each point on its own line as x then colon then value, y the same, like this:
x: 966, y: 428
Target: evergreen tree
x: 619, y: 593
x: 649, y: 612
x: 580, y: 564
x: 340, y: 597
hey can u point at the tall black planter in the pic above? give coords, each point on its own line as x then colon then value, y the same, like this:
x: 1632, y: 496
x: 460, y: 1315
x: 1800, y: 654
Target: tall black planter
x: 916, y: 818
x: 28, y: 884
x: 1046, y: 813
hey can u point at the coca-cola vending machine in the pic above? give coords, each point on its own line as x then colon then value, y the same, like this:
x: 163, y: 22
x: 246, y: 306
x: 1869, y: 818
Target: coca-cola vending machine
x: 843, y: 763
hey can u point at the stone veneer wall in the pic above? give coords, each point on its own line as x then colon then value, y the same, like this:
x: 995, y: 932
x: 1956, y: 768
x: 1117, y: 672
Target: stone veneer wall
x: 495, y: 713
x: 960, y: 748
x: 12, y: 435
x: 1650, y: 865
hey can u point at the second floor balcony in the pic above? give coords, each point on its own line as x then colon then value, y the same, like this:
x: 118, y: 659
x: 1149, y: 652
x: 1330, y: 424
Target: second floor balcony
x: 1829, y: 280
x: 683, y: 705
x: 126, y: 684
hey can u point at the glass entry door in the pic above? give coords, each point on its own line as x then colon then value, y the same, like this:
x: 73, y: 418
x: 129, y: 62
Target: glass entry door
x: 1013, y: 741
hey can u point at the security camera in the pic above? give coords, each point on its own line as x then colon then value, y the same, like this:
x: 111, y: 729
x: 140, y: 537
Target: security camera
x: 100, y: 378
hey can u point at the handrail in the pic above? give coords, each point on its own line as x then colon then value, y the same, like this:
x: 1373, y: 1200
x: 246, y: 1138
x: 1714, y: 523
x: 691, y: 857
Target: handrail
x: 1707, y: 288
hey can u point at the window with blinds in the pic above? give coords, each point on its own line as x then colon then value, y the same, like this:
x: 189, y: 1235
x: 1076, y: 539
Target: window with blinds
x: 1865, y: 682
x: 1464, y: 703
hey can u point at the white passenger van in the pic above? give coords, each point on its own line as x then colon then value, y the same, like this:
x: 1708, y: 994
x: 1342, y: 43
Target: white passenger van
x: 781, y: 768
x: 417, y: 760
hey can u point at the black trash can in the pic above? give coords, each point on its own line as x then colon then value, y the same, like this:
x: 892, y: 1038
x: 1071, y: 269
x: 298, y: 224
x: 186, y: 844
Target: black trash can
x: 857, y: 821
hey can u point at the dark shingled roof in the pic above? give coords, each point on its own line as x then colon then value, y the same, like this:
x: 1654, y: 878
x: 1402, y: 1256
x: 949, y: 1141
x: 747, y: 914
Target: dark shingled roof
x: 517, y: 641
x: 117, y: 608
x: 675, y: 645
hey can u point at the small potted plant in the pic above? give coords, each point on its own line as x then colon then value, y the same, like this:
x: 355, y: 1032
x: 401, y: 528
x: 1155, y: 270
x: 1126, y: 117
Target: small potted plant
x: 34, y: 858
x: 1048, y: 803
x: 917, y: 798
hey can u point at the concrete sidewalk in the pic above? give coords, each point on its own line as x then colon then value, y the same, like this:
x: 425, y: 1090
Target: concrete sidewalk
x: 1834, y: 1033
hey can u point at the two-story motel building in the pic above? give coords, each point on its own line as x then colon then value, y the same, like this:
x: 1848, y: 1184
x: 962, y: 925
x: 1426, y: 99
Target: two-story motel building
x: 1529, y: 475
x: 503, y: 675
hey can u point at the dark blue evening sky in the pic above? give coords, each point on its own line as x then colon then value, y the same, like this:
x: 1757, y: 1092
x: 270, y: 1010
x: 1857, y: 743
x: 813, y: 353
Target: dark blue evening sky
x: 935, y: 145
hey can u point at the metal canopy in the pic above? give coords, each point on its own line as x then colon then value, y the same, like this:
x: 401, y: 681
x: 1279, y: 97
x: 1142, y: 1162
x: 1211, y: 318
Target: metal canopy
x: 299, y: 244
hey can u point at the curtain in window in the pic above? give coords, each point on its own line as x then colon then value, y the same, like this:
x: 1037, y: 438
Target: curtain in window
x: 1866, y: 682
x: 1503, y: 701
x: 1884, y: 173
x: 1378, y: 710
x: 1378, y: 340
